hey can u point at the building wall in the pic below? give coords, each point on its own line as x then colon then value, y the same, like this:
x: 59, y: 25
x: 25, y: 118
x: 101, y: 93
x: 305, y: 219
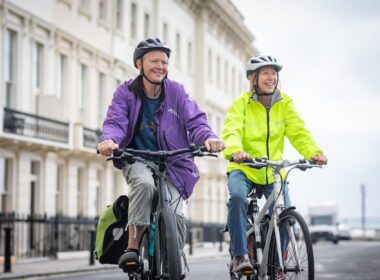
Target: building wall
x: 82, y: 59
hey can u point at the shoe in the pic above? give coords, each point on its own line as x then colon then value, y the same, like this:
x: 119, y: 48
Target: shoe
x: 129, y: 261
x: 241, y: 264
x: 280, y: 275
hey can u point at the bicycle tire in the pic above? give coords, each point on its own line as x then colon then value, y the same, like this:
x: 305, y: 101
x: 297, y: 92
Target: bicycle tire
x: 303, y: 244
x: 167, y: 254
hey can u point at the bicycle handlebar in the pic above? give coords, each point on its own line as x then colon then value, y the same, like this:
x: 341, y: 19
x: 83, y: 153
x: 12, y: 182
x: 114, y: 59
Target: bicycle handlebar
x: 258, y: 163
x: 130, y: 154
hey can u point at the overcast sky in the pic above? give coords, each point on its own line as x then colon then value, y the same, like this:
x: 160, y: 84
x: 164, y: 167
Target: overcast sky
x: 330, y: 51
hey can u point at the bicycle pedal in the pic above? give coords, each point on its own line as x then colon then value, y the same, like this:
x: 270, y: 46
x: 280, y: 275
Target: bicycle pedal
x: 247, y: 272
x: 131, y: 267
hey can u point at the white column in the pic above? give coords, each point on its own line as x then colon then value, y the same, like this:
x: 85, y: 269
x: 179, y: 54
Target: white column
x: 50, y: 186
x: 72, y: 190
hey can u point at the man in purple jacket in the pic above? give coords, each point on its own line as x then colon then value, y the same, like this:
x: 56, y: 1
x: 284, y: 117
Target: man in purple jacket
x: 154, y: 113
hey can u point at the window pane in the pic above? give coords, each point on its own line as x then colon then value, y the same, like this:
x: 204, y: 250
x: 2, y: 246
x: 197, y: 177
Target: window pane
x: 119, y: 14
x: 189, y: 56
x: 10, y: 49
x: 82, y: 85
x: 102, y: 90
x: 102, y: 12
x: 210, y: 65
x: 62, y: 75
x: 165, y: 35
x: 133, y: 20
x: 38, y: 65
x: 146, y: 25
x: 178, y: 48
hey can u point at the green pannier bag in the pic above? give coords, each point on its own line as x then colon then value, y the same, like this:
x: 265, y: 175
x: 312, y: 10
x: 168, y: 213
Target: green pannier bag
x: 112, y: 232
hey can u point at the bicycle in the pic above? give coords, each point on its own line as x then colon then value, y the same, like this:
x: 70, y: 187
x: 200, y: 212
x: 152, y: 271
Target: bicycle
x: 160, y: 256
x: 264, y: 232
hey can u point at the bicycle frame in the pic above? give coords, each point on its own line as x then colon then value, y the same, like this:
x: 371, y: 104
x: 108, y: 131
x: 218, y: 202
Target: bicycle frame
x: 277, y: 199
x: 161, y: 212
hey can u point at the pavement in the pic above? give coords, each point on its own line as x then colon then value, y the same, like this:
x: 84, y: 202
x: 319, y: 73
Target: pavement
x: 73, y: 262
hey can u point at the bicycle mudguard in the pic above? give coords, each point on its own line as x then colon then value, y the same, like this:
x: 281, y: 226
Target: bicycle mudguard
x: 286, y: 210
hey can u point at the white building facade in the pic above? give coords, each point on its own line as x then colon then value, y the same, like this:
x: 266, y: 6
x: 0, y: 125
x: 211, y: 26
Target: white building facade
x: 60, y: 63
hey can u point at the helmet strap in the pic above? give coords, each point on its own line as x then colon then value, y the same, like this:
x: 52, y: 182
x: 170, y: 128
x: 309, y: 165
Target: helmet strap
x: 154, y: 83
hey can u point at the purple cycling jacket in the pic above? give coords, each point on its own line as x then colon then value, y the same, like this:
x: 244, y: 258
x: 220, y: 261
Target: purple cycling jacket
x: 179, y: 120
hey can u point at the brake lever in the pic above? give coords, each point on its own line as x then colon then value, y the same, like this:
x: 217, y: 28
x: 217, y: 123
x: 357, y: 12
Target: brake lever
x: 254, y: 165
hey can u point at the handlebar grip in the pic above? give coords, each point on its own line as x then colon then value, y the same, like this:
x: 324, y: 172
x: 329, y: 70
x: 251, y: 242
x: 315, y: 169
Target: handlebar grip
x: 117, y: 152
x: 248, y: 160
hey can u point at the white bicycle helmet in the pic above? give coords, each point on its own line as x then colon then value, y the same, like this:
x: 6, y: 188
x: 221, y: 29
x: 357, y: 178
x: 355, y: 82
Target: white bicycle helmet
x: 259, y: 61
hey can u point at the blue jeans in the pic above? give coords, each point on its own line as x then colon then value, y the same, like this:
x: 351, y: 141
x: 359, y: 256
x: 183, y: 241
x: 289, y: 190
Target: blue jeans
x: 239, y: 186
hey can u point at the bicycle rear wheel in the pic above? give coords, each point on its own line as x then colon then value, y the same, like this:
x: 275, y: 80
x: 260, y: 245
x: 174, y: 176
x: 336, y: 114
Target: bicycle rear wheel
x: 168, y: 257
x: 296, y: 247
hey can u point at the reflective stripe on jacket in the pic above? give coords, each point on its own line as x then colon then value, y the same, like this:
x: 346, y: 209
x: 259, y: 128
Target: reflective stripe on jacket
x: 259, y: 131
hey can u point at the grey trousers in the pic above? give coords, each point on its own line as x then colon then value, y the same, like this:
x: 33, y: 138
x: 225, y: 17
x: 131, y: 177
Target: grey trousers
x: 142, y: 187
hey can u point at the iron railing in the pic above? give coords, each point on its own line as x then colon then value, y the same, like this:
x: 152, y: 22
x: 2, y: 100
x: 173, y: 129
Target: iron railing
x: 30, y: 125
x: 39, y: 235
x: 43, y: 236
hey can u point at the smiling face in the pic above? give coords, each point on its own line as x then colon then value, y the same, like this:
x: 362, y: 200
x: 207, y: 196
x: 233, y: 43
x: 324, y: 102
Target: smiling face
x: 267, y: 80
x: 155, y: 64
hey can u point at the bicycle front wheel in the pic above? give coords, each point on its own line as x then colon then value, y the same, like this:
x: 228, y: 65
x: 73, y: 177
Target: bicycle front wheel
x: 296, y: 248
x: 168, y: 257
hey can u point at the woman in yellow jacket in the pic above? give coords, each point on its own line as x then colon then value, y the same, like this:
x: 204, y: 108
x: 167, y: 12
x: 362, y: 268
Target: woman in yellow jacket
x: 256, y: 125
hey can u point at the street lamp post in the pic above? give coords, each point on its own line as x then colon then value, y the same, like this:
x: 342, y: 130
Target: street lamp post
x: 363, y: 208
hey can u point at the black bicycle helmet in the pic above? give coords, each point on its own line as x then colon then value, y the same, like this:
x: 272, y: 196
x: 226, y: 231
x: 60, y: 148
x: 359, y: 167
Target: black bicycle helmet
x: 259, y: 61
x: 150, y: 44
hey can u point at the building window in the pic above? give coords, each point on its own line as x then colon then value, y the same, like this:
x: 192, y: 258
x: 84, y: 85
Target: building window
x: 5, y: 182
x: 233, y: 78
x: 226, y: 76
x: 189, y: 57
x: 209, y: 58
x: 83, y: 5
x: 59, y: 191
x: 82, y: 85
x: 241, y: 84
x: 38, y: 65
x: 101, y: 95
x: 102, y: 12
x: 178, y: 48
x: 218, y: 71
x: 10, y: 68
x: 62, y: 75
x: 84, y: 8
x: 133, y: 20
x: 80, y: 192
x: 165, y: 33
x: 146, y: 25
x: 119, y: 15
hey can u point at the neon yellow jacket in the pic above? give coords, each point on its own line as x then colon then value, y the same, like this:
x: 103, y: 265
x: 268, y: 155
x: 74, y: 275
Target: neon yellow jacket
x: 250, y: 127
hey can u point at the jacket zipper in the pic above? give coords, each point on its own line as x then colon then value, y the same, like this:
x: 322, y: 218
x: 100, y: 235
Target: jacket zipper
x: 267, y: 144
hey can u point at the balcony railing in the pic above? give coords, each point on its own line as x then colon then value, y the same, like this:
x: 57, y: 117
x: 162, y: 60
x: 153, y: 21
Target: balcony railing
x: 91, y: 137
x: 35, y: 126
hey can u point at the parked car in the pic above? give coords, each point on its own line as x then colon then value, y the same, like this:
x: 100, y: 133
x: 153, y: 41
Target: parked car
x: 343, y: 232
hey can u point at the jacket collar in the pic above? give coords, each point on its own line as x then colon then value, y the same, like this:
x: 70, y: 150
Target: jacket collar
x: 137, y: 87
x: 275, y: 97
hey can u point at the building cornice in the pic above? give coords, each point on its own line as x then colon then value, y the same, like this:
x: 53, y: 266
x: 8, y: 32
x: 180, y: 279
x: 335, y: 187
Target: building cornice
x: 227, y: 21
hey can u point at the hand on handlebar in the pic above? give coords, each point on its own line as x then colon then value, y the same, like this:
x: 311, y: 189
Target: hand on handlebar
x: 107, y: 147
x: 240, y: 156
x: 319, y: 159
x: 214, y: 145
